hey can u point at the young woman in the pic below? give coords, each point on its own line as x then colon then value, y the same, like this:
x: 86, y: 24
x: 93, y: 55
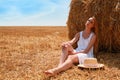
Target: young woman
x: 85, y: 41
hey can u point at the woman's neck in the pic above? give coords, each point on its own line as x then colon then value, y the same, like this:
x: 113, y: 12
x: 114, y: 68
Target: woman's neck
x: 87, y: 31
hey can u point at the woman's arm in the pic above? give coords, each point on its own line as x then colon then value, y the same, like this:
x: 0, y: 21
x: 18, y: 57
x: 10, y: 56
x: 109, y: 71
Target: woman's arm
x: 92, y: 42
x: 71, y: 42
x: 76, y: 37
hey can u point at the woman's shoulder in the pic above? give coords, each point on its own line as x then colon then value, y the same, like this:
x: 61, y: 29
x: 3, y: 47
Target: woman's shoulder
x: 78, y: 33
x: 81, y: 31
x: 93, y: 34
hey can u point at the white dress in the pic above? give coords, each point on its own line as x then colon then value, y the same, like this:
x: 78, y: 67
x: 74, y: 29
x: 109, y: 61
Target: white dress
x: 82, y: 45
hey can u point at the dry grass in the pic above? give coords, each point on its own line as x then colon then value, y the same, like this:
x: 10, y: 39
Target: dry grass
x: 25, y: 52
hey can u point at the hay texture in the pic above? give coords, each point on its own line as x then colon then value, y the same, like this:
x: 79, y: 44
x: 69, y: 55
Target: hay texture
x: 107, y: 13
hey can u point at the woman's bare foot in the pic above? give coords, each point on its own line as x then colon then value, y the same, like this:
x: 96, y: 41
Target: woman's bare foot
x: 59, y: 64
x: 51, y: 72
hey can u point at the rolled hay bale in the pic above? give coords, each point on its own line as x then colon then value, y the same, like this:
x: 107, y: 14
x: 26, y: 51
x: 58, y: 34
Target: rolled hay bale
x: 107, y: 13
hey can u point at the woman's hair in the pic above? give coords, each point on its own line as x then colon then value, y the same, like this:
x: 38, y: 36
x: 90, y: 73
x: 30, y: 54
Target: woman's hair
x: 95, y: 30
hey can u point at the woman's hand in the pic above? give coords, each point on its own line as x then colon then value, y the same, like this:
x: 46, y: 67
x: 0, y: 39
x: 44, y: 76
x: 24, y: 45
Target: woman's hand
x: 71, y: 42
x: 64, y: 44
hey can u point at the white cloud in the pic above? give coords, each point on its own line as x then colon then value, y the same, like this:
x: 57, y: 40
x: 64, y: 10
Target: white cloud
x: 55, y: 15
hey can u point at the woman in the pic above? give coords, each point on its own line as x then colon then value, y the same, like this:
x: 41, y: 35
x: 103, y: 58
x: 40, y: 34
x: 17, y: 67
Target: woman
x: 86, y: 40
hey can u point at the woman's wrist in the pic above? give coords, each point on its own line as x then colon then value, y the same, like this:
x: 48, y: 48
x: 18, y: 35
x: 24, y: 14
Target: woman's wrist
x: 82, y: 51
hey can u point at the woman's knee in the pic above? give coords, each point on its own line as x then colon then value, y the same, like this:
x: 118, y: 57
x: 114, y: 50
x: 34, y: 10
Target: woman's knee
x: 68, y: 48
x: 65, y: 47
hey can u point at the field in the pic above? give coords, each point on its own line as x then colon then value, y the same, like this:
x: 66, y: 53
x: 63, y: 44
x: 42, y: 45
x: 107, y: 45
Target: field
x: 25, y: 52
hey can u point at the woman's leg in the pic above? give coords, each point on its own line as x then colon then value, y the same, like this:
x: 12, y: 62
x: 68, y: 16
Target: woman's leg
x: 66, y: 65
x: 66, y: 50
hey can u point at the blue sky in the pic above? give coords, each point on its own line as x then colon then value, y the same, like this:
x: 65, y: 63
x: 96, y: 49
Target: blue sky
x: 34, y: 12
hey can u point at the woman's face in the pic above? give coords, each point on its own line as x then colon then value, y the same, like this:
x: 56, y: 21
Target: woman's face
x: 90, y: 23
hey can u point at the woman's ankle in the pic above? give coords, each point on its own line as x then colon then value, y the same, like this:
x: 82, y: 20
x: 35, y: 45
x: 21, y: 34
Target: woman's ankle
x: 59, y: 64
x: 56, y: 70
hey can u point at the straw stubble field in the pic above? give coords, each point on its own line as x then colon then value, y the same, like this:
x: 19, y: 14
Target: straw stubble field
x: 25, y: 52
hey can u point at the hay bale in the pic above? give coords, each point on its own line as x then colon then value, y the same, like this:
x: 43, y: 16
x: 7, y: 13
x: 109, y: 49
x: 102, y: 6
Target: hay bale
x: 107, y: 13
